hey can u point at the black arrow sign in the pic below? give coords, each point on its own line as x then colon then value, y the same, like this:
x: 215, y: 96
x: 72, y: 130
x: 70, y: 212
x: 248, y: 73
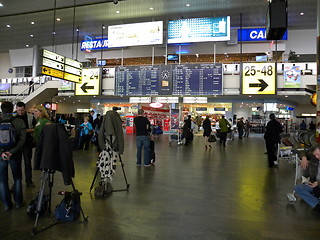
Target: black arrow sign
x: 84, y: 87
x: 262, y: 85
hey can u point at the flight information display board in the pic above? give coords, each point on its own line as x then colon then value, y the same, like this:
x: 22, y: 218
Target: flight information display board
x: 197, y: 79
x: 137, y: 80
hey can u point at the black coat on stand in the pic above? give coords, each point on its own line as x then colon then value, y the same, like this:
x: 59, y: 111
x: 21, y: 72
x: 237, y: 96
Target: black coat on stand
x: 54, y: 151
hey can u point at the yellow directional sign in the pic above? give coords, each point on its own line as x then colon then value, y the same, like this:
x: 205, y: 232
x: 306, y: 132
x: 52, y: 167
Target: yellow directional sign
x: 72, y: 78
x: 90, y: 84
x: 52, y: 72
x: 259, y: 78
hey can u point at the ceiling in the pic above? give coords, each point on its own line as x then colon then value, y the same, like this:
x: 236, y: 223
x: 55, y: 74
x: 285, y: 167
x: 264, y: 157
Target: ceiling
x: 90, y: 15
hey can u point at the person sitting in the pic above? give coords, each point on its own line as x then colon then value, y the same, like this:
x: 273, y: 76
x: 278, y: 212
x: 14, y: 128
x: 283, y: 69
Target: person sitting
x: 309, y: 191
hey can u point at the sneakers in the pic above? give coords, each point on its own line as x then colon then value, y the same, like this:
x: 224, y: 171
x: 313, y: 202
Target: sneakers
x: 148, y: 165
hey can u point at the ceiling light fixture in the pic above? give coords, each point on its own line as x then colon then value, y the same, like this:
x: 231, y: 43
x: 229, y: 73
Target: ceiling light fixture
x: 8, y: 26
x: 1, y: 5
x: 31, y: 35
x: 151, y: 8
x: 58, y: 19
x: 115, y: 1
x: 32, y: 23
x: 27, y: 45
x: 187, y: 5
x: 117, y: 12
x: 301, y: 14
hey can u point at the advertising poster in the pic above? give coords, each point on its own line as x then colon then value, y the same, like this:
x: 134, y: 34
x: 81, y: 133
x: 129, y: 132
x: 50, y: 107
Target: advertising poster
x: 135, y: 34
x: 199, y: 30
x: 174, y: 116
x: 66, y: 86
x: 5, y: 88
x: 292, y: 77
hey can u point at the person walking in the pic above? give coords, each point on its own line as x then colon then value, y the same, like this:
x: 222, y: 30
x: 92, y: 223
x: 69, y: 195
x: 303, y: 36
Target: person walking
x: 246, y: 128
x: 11, y: 155
x: 240, y: 126
x: 207, y: 131
x: 272, y: 138
x: 142, y: 138
x: 186, y: 130
x: 30, y: 122
x: 224, y: 129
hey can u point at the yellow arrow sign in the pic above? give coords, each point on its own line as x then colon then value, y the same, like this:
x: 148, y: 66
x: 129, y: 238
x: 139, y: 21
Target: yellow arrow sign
x: 259, y: 78
x: 72, y: 78
x: 52, y: 72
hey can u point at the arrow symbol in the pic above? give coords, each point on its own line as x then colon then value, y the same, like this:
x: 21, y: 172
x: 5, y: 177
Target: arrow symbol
x: 84, y: 87
x: 262, y: 85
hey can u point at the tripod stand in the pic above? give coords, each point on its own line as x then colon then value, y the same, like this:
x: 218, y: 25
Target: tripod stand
x: 46, y: 191
x: 122, y: 166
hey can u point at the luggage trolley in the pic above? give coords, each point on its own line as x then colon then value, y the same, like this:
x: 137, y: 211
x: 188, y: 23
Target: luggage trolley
x: 176, y: 136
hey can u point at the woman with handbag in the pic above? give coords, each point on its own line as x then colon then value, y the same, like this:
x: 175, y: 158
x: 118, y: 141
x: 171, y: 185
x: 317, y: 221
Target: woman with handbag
x: 85, y: 133
x: 207, y: 131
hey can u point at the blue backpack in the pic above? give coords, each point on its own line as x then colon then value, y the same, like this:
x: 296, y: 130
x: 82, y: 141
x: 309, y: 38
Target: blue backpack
x: 7, y: 134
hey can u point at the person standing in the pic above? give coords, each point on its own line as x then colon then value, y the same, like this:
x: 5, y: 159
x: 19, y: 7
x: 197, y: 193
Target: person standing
x: 12, y: 156
x: 224, y: 129
x: 31, y: 86
x: 30, y: 123
x: 240, y: 126
x: 272, y: 138
x: 43, y: 119
x: 303, y: 125
x: 186, y: 130
x: 312, y: 126
x: 142, y: 138
x: 207, y: 131
x: 85, y: 134
x: 246, y: 128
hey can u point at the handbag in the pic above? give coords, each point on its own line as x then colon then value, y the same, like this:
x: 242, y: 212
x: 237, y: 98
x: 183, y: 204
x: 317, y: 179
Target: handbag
x: 212, y: 138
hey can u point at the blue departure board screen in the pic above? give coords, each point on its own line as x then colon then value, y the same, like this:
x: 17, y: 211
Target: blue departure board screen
x: 137, y: 80
x: 197, y: 79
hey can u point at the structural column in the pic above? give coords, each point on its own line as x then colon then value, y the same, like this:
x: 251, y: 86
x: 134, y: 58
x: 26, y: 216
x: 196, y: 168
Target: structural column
x: 318, y: 73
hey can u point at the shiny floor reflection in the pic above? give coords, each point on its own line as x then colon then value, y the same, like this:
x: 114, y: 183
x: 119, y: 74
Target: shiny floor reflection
x: 191, y: 193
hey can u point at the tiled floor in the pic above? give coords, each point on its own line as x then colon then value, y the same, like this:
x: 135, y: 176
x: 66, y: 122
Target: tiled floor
x: 191, y: 193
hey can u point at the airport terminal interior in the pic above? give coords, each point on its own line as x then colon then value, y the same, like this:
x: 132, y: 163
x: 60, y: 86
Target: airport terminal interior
x: 172, y: 58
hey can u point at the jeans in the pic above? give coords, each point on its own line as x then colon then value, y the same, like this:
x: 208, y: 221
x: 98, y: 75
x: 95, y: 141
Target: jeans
x: 145, y: 141
x: 240, y: 131
x: 15, y: 164
x: 305, y: 192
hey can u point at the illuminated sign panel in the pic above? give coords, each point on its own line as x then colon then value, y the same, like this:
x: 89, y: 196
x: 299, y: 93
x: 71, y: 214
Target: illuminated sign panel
x: 90, y: 84
x: 258, y: 78
x: 96, y: 44
x: 58, y: 66
x: 135, y: 34
x: 199, y: 30
x: 255, y: 34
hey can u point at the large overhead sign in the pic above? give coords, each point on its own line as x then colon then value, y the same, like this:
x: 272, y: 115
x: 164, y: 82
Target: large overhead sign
x: 255, y: 34
x: 135, y: 34
x: 259, y: 78
x: 58, y: 66
x: 199, y: 30
x: 90, y: 84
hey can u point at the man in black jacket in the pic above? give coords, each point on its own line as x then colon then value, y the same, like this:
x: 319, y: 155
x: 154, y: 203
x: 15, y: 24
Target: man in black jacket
x: 11, y: 155
x: 272, y: 138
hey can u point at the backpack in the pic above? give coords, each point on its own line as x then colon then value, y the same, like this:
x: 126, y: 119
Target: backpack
x: 32, y: 207
x: 7, y: 134
x: 68, y: 209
